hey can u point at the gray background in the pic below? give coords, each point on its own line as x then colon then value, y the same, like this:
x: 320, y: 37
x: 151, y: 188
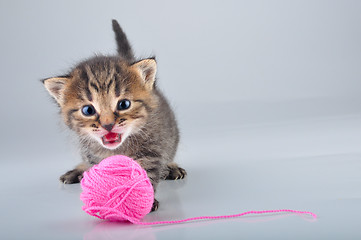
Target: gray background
x: 267, y: 94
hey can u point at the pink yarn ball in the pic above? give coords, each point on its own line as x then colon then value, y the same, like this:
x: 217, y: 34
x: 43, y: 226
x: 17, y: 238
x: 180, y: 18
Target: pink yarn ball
x: 117, y: 189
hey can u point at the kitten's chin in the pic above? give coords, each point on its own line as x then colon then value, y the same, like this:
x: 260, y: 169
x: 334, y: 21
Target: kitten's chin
x: 111, y: 146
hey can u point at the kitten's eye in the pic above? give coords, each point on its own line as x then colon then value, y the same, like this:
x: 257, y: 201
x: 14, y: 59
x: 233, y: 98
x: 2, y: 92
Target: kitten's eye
x: 88, y: 110
x: 123, y: 104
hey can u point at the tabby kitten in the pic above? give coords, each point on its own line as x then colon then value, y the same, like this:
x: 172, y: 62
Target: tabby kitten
x: 113, y: 105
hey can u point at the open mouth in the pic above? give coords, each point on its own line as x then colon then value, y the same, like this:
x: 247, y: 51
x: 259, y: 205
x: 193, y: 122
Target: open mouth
x: 111, y: 138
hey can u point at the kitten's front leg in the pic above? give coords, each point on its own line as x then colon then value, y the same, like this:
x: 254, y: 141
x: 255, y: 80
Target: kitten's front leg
x: 153, y: 168
x: 75, y: 175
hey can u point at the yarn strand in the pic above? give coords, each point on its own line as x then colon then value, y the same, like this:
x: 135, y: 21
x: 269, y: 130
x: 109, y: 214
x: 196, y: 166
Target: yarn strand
x: 118, y: 189
x: 226, y: 216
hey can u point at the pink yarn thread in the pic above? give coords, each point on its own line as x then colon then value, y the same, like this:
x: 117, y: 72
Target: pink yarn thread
x: 118, y: 189
x: 227, y: 216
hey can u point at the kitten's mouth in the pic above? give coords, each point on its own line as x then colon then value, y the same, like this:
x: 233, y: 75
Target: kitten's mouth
x: 111, y: 139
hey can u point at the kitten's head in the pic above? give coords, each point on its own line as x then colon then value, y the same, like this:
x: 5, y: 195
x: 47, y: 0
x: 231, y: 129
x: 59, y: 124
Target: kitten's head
x: 106, y: 98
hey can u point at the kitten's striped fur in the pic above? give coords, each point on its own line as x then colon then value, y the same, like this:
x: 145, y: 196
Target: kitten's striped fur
x: 147, y: 129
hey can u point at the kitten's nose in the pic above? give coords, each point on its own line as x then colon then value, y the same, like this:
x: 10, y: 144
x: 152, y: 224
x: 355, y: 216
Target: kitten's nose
x: 108, y: 127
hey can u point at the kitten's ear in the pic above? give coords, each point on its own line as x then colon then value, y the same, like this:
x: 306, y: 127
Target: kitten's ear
x: 55, y: 87
x: 147, y: 69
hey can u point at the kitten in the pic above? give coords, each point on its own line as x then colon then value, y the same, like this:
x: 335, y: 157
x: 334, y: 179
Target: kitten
x: 113, y: 105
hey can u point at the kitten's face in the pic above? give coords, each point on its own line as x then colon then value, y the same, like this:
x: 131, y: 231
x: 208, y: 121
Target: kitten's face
x: 105, y: 99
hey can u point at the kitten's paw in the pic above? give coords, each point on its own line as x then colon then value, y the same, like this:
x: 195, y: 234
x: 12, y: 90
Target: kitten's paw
x: 72, y: 176
x: 175, y: 172
x: 155, y: 205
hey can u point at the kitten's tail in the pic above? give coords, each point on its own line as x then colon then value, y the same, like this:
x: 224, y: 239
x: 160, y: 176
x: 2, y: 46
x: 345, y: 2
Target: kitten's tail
x: 123, y: 46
